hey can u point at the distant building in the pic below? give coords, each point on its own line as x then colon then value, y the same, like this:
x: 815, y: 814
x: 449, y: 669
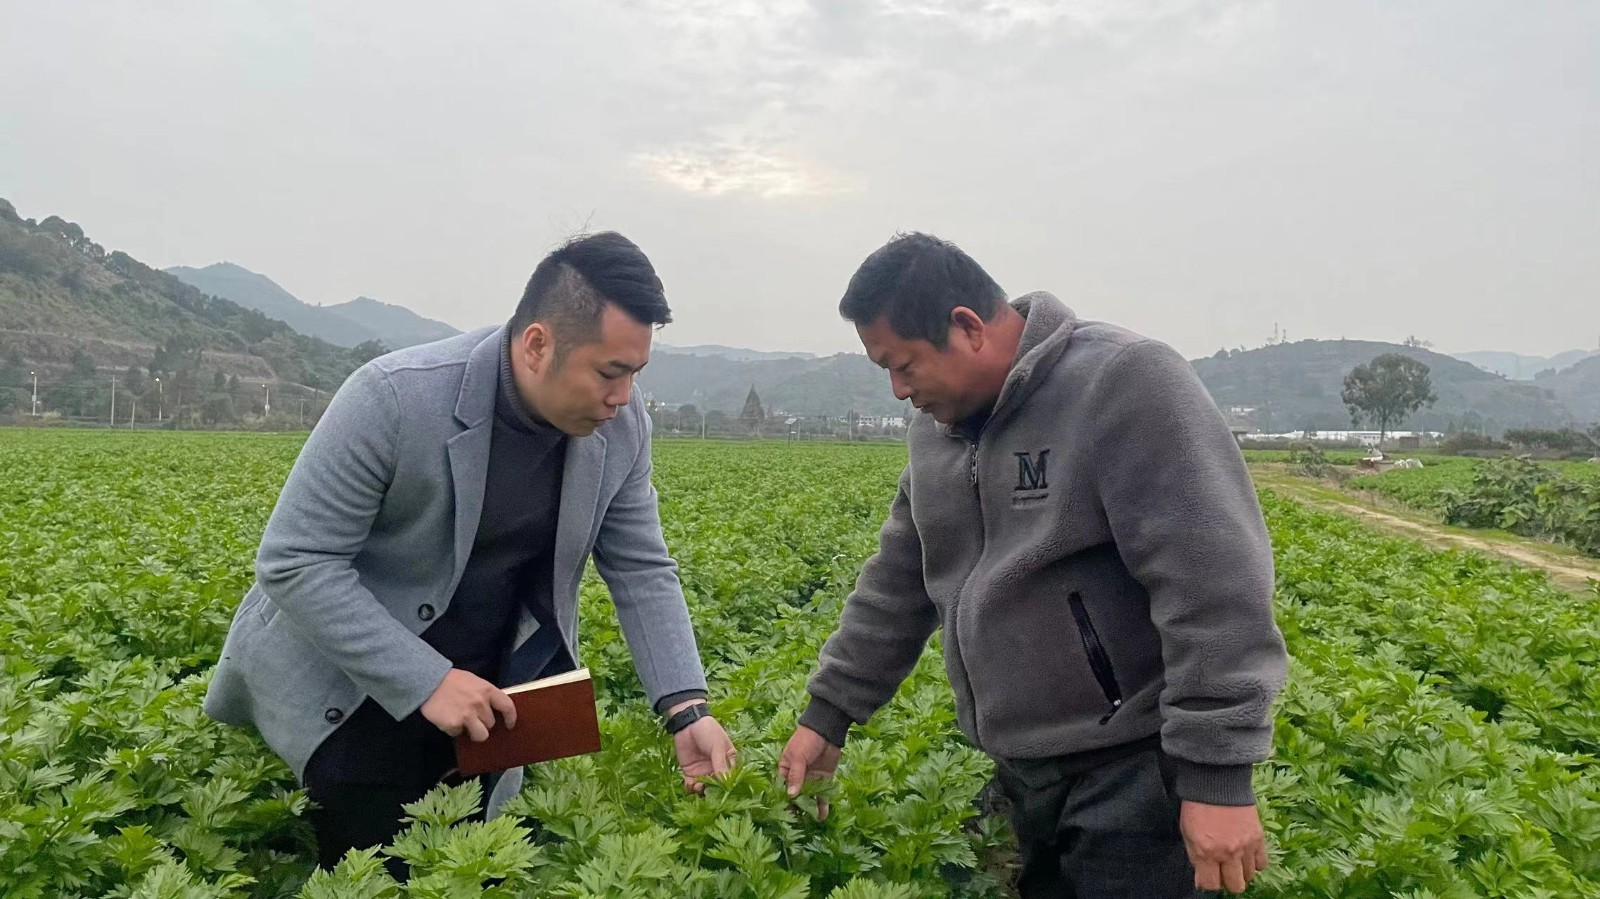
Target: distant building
x: 1241, y: 421
x: 1363, y: 438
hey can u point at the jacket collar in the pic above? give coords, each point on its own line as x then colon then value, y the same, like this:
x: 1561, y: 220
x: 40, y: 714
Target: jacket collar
x: 1045, y: 334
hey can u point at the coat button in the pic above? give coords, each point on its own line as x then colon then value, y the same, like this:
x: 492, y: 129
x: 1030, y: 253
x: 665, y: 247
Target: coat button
x: 425, y: 612
x: 333, y: 716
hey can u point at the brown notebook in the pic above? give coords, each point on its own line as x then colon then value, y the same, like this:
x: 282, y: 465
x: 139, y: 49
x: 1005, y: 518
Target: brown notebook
x: 555, y: 718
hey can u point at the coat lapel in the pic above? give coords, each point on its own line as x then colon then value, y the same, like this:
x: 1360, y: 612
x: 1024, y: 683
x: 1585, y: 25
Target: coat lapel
x: 469, y: 450
x: 580, y: 499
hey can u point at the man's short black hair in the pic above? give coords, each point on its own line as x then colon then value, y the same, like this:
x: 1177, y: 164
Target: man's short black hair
x: 571, y: 286
x: 915, y: 280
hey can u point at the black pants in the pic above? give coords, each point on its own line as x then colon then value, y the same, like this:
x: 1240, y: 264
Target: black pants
x: 357, y: 817
x: 372, y: 765
x: 1098, y: 826
x: 363, y: 774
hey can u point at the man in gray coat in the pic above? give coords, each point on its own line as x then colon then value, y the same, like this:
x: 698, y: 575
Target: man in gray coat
x: 1078, y: 518
x: 427, y: 548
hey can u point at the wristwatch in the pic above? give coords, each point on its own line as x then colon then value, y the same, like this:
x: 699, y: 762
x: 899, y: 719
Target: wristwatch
x: 687, y: 717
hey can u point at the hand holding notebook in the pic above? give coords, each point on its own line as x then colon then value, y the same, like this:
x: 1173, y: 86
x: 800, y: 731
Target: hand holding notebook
x: 555, y: 718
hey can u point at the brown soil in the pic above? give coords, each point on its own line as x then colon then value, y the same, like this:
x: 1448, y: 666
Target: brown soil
x: 1570, y: 573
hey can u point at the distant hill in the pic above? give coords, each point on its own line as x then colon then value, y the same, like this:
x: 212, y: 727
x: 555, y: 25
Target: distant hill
x: 1295, y: 386
x: 830, y: 385
x: 1290, y: 386
x: 396, y: 326
x: 1578, y: 387
x: 72, y: 311
x: 737, y: 354
x: 346, y: 324
x: 1523, y: 368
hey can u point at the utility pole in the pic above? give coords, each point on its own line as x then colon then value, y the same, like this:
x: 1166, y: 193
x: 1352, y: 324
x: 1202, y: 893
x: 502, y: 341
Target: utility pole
x: 302, y: 412
x: 133, y: 419
x: 159, y: 401
x: 113, y: 401
x: 266, y: 408
x: 35, y: 393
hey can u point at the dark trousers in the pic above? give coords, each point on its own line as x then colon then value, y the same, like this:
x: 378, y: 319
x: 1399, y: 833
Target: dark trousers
x: 1098, y: 825
x: 372, y: 765
x: 363, y: 814
x: 357, y: 817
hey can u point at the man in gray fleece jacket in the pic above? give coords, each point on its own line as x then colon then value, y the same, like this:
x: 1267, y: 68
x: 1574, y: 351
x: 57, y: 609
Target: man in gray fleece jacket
x: 1078, y: 519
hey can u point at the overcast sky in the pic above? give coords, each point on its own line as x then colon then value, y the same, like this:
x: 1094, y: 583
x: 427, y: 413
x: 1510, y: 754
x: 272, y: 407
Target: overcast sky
x: 1197, y: 171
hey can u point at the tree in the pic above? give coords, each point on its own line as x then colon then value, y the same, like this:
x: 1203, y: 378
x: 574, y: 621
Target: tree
x: 716, y: 421
x: 83, y: 367
x: 134, y: 381
x: 1566, y: 440
x: 76, y: 392
x: 56, y: 226
x: 13, y: 381
x: 218, y: 409
x: 689, y: 417
x: 1386, y: 390
x: 367, y: 350
x: 180, y: 353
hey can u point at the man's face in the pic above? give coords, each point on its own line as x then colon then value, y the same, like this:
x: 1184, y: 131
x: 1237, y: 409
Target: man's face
x: 585, y: 386
x: 939, y: 382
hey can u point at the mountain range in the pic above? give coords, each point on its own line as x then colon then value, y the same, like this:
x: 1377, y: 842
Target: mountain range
x: 75, y: 313
x: 61, y: 295
x: 344, y: 324
x: 1296, y: 386
x: 1289, y: 386
x: 1524, y: 368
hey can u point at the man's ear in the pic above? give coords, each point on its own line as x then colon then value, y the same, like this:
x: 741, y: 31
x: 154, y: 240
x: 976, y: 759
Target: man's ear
x: 539, y: 345
x: 968, y: 326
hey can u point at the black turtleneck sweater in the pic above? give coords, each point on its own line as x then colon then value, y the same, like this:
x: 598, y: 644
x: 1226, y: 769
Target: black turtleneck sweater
x: 513, y: 553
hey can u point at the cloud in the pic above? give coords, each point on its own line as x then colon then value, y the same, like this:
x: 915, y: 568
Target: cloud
x: 746, y: 89
x: 737, y: 168
x: 1113, y: 21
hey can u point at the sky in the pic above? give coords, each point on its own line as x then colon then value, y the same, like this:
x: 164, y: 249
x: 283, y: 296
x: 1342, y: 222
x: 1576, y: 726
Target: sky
x: 1201, y: 172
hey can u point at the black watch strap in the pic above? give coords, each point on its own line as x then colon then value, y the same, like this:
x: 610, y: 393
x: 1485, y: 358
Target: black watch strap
x: 687, y: 717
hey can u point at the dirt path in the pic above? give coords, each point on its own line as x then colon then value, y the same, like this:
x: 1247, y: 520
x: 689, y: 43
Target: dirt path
x: 1571, y: 573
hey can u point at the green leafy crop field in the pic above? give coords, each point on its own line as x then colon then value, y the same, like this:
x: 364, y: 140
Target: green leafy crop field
x: 1438, y: 737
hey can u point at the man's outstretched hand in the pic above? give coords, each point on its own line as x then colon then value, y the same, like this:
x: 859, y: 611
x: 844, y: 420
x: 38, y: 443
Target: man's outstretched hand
x: 703, y: 750
x: 808, y: 757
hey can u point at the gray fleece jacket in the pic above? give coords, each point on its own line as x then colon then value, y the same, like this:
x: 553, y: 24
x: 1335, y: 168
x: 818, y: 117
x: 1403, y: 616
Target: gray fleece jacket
x: 1097, y: 559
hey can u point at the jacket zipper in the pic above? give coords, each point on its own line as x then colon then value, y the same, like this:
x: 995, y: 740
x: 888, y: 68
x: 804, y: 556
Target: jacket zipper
x: 955, y: 617
x: 1099, y: 660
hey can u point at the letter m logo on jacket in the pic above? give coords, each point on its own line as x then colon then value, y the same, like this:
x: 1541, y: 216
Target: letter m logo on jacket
x: 1031, y: 470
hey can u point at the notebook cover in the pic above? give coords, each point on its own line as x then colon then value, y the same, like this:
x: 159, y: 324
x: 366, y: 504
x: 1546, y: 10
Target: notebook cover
x: 552, y: 723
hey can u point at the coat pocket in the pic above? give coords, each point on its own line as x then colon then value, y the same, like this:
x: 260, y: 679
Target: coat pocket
x: 1099, y: 659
